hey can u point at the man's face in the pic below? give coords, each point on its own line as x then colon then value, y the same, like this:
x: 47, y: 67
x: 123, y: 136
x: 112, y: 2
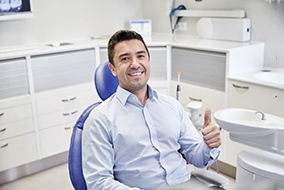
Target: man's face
x: 131, y: 65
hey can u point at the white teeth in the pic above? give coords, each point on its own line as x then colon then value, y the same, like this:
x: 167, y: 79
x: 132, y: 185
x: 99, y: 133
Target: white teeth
x: 136, y: 74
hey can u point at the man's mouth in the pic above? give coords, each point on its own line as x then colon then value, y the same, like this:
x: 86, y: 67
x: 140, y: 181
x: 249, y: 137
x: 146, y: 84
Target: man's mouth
x: 136, y: 73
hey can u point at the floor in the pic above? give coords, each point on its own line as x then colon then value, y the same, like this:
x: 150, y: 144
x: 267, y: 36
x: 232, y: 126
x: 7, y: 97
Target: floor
x: 56, y: 178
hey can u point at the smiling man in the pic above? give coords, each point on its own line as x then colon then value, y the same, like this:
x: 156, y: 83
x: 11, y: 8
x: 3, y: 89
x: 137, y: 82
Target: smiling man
x: 138, y: 138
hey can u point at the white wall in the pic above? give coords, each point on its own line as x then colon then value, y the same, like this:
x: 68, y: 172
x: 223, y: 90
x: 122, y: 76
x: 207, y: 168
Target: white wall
x: 67, y: 19
x: 59, y: 20
x: 267, y: 21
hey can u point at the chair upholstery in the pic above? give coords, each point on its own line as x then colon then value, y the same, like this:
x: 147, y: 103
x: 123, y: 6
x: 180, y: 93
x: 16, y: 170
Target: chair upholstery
x: 106, y: 84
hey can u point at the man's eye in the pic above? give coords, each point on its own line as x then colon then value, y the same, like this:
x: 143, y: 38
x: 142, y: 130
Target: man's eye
x: 124, y: 58
x: 141, y: 56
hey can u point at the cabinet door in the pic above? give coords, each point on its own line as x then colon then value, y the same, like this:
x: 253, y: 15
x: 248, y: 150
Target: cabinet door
x: 201, y: 68
x: 63, y: 69
x: 17, y: 151
x: 55, y: 140
x: 13, y: 78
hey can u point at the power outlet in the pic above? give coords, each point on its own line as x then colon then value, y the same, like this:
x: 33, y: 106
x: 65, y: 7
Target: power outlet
x: 182, y: 26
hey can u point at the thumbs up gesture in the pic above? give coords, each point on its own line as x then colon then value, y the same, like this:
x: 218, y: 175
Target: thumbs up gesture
x: 210, y: 131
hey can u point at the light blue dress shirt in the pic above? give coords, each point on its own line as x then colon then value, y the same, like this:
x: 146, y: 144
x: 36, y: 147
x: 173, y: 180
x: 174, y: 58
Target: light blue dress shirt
x: 130, y: 146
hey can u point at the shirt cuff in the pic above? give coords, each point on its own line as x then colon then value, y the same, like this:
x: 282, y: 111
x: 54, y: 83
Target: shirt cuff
x: 212, y: 154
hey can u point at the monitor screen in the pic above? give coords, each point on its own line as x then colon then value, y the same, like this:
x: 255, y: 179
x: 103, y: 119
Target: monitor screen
x: 15, y: 9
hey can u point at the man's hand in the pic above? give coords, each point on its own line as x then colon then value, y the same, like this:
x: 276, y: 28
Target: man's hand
x: 210, y: 131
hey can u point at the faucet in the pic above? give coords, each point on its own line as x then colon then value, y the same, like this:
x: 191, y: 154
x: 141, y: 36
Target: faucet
x: 262, y: 115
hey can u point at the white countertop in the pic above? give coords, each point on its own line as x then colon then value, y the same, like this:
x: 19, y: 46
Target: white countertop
x: 249, y: 77
x: 157, y: 39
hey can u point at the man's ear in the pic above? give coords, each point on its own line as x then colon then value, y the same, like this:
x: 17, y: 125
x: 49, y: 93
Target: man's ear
x: 112, y: 69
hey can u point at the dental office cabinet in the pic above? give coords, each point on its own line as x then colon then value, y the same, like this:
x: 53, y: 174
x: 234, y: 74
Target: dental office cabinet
x: 248, y: 93
x: 44, y: 90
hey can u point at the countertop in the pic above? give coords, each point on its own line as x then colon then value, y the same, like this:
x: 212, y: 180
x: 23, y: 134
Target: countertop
x: 156, y: 39
x: 249, y: 77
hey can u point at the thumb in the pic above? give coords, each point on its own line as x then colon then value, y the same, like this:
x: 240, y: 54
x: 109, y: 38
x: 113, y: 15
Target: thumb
x: 207, y: 117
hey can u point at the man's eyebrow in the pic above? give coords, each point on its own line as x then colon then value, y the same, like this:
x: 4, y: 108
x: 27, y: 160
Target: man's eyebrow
x: 122, y: 55
x: 141, y: 52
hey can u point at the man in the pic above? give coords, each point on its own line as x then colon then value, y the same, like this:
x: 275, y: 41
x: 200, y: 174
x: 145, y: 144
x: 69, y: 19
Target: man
x: 138, y: 138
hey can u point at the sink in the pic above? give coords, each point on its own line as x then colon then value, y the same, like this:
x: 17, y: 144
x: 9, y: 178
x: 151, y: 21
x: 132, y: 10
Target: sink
x: 249, y: 127
x: 271, y: 76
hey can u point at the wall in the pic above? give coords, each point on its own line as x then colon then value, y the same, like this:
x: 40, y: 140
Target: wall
x: 59, y: 20
x: 67, y: 19
x: 267, y: 21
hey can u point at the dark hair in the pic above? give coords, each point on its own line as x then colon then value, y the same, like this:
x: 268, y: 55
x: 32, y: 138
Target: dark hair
x: 123, y: 35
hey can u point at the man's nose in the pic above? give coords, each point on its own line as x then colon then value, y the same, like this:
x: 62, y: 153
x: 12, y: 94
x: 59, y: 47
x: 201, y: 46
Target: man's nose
x: 134, y: 63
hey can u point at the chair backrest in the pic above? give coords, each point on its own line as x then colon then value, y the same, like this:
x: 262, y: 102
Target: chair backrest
x: 106, y: 84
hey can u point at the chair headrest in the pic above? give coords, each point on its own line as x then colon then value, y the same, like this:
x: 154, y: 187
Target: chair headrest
x: 105, y: 83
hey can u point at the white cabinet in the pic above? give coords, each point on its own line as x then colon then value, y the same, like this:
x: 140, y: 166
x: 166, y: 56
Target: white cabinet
x: 57, y: 112
x: 17, y: 133
x: 203, y: 77
x: 17, y: 130
x: 63, y: 89
x: 255, y: 97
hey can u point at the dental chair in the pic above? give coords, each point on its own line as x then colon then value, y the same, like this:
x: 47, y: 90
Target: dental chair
x: 106, y: 84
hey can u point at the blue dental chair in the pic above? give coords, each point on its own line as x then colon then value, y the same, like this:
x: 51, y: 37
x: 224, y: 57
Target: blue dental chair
x: 106, y: 84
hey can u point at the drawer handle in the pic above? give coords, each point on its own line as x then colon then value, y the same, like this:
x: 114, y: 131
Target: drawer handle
x: 241, y: 87
x: 74, y: 98
x: 2, y: 130
x: 70, y: 99
x: 66, y: 114
x: 4, y: 145
x: 1, y: 114
x: 67, y: 128
x: 195, y: 99
x: 72, y: 113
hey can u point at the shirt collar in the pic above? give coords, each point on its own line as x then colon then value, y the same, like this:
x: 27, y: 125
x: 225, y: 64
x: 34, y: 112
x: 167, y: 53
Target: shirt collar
x: 123, y: 95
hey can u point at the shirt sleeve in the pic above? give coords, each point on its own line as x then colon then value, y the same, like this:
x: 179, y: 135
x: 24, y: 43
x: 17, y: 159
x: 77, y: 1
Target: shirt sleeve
x: 193, y: 147
x: 98, y: 155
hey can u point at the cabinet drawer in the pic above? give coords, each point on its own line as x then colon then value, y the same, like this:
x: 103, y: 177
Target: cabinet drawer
x: 17, y: 151
x: 56, y: 140
x: 65, y: 101
x: 256, y: 97
x: 15, y: 113
x: 210, y: 98
x: 60, y: 117
x: 16, y: 128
